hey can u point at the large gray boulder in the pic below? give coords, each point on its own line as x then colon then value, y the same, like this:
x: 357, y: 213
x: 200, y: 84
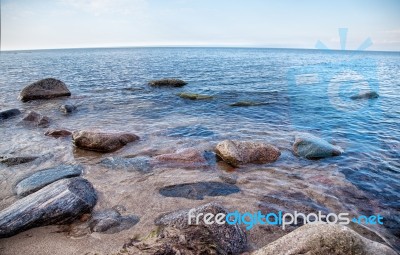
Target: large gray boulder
x: 100, y: 141
x: 322, y: 239
x: 44, y: 89
x: 312, y: 147
x: 58, y: 203
x: 241, y: 152
x: 39, y: 179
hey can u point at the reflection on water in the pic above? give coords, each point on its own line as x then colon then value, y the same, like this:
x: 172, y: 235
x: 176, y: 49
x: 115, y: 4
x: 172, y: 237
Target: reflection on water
x: 109, y: 89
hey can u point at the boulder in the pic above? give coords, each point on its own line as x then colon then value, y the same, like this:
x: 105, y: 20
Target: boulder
x: 365, y: 95
x: 9, y: 114
x: 44, y: 177
x: 193, y: 96
x: 36, y: 119
x: 100, y: 141
x: 187, y: 157
x: 67, y: 108
x: 242, y: 152
x: 57, y: 133
x: 320, y: 238
x: 11, y: 161
x: 175, y: 236
x: 58, y: 203
x: 198, y: 190
x: 312, y: 147
x: 139, y: 163
x: 44, y: 89
x: 110, y: 221
x: 167, y: 83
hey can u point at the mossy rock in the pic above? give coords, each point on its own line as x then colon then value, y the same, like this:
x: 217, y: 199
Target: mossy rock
x: 247, y: 104
x: 167, y: 83
x: 194, y: 96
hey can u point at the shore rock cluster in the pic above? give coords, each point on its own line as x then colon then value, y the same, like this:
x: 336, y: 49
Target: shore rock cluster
x: 59, y: 195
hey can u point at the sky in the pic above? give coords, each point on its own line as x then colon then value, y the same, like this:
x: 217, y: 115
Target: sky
x: 49, y: 24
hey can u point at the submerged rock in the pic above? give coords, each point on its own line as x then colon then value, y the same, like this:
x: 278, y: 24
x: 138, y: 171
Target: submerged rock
x: 9, y: 114
x: 312, y: 147
x: 44, y: 177
x: 58, y: 203
x: 188, y: 157
x: 139, y: 164
x: 36, y: 119
x: 194, y: 96
x: 67, y: 108
x: 11, y: 161
x: 242, y: 152
x: 57, y: 133
x: 324, y: 239
x: 176, y: 236
x: 247, y: 103
x: 167, y: 83
x: 100, y: 141
x: 365, y: 95
x: 199, y: 190
x: 110, y: 221
x: 44, y: 89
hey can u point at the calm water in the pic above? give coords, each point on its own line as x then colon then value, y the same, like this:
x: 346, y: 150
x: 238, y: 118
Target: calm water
x: 300, y: 90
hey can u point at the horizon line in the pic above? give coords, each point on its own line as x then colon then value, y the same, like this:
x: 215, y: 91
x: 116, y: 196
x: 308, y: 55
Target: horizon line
x: 194, y: 46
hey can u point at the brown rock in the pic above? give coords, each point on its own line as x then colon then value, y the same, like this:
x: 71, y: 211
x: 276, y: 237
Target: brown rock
x: 57, y: 133
x: 44, y: 89
x: 324, y: 239
x: 167, y: 83
x: 183, y: 157
x: 102, y: 142
x: 36, y: 119
x: 242, y: 152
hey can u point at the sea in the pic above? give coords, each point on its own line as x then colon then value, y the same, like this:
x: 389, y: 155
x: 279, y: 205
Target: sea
x: 285, y: 91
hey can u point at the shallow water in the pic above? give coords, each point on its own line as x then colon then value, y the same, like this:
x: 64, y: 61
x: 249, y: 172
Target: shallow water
x: 300, y: 91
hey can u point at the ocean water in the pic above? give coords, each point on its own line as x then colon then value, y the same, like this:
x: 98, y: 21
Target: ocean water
x: 294, y: 91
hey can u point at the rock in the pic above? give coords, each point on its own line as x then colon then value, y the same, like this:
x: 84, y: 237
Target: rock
x: 44, y: 89
x: 324, y: 239
x: 44, y: 177
x: 9, y: 114
x: 110, y: 221
x: 188, y: 157
x: 247, y: 103
x: 101, y: 142
x: 58, y: 203
x: 193, y: 96
x: 199, y: 190
x: 242, y: 152
x: 36, y: 119
x: 67, y: 108
x: 139, y: 164
x: 57, y: 133
x: 11, y: 161
x: 167, y: 83
x: 176, y: 236
x: 312, y: 147
x: 365, y: 95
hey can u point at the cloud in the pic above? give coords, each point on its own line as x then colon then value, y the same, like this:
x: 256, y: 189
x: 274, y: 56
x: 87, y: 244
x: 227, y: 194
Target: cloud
x: 102, y: 7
